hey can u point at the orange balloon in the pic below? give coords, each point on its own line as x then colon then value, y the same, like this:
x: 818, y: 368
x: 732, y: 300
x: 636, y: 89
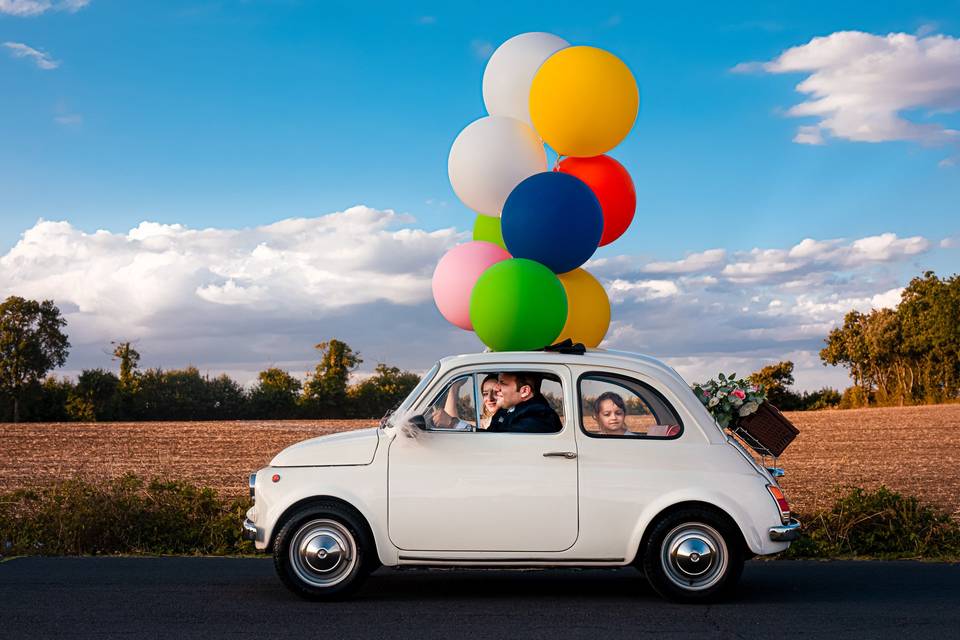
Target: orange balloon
x: 613, y: 187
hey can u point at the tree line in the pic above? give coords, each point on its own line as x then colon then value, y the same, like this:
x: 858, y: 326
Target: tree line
x: 32, y: 343
x: 907, y: 355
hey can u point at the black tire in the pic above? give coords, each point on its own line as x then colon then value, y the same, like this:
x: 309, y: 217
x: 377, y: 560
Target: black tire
x: 678, y: 544
x: 324, y: 551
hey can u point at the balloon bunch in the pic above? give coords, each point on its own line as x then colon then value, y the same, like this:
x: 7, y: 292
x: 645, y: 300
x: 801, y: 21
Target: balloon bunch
x: 519, y: 284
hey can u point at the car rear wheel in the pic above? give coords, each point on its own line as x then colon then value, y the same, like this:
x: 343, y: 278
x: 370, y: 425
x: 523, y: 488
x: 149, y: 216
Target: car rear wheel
x: 323, y: 551
x: 693, y: 555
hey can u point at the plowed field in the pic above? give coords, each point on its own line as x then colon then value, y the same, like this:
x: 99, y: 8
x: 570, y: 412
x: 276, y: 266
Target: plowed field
x: 915, y: 450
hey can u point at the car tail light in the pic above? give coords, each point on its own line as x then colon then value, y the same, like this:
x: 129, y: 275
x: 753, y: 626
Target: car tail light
x: 781, y: 501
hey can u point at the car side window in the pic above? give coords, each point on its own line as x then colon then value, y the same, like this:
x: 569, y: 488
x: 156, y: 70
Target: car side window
x: 455, y: 407
x: 619, y: 406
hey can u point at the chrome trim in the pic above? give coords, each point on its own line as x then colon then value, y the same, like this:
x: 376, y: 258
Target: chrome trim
x: 249, y: 530
x: 786, y: 532
x: 323, y: 553
x: 569, y: 455
x: 252, y: 483
x: 776, y: 472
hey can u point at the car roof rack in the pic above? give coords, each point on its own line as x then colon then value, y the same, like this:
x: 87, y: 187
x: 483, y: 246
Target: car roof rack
x: 567, y: 346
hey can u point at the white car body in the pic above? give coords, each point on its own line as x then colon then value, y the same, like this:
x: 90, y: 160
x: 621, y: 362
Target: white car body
x: 445, y: 497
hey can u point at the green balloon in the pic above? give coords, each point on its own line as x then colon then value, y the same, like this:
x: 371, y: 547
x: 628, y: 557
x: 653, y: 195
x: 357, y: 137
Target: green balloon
x: 518, y: 305
x: 487, y: 228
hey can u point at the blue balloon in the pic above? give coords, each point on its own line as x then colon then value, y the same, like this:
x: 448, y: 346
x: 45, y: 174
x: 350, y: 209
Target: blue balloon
x: 553, y: 218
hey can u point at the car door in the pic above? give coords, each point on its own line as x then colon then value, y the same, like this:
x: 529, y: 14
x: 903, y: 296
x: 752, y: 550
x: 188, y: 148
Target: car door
x: 456, y: 490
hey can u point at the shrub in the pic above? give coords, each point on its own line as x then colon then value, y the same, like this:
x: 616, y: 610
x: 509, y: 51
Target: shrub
x: 880, y: 523
x: 123, y: 515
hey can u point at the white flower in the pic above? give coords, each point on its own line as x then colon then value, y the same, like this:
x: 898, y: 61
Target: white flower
x: 735, y: 401
x: 714, y: 401
x: 748, y: 408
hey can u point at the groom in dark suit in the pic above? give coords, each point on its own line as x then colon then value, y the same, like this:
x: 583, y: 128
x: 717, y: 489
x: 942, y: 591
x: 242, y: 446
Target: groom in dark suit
x: 523, y: 408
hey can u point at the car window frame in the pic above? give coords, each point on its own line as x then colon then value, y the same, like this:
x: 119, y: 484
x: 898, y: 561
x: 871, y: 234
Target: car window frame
x: 482, y: 370
x: 633, y: 380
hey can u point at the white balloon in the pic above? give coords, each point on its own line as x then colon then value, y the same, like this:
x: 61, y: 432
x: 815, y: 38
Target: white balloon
x: 510, y: 71
x: 489, y: 158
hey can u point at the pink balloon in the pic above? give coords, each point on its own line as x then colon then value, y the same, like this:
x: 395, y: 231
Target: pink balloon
x: 456, y: 274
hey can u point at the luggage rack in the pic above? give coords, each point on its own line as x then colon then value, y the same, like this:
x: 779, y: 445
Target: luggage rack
x: 761, y: 454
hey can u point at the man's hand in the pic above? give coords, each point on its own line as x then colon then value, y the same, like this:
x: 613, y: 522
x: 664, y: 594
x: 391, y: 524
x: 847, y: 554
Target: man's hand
x: 442, y: 419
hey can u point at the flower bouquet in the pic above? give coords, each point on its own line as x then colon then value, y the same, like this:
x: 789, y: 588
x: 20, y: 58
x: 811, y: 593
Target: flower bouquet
x: 742, y: 407
x: 728, y: 399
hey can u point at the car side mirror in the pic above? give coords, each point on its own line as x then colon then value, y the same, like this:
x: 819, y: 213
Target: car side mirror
x: 418, y: 421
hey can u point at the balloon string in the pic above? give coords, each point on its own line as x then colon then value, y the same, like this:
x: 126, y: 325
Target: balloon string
x: 556, y: 163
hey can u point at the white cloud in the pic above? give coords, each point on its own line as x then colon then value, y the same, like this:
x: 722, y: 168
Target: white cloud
x: 69, y: 119
x: 482, y: 49
x: 40, y: 58
x: 860, y: 85
x: 238, y: 300
x: 219, y: 294
x: 948, y: 243
x: 714, y: 310
x: 27, y: 8
x: 694, y: 262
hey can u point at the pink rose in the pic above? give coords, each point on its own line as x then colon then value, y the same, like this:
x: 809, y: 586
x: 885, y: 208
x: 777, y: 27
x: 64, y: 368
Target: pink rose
x: 739, y: 393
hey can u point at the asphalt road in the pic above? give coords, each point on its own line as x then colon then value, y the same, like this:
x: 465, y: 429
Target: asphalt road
x: 242, y: 598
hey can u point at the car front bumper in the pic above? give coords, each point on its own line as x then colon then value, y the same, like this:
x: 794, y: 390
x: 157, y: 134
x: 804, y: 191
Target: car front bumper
x: 786, y: 532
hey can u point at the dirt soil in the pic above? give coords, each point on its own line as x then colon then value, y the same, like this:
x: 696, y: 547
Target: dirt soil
x: 915, y: 450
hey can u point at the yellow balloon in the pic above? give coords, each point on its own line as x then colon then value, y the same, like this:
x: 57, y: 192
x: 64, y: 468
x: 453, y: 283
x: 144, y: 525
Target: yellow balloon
x: 588, y: 308
x: 583, y: 101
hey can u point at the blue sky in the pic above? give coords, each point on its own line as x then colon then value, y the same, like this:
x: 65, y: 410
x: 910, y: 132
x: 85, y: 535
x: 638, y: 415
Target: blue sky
x: 237, y: 114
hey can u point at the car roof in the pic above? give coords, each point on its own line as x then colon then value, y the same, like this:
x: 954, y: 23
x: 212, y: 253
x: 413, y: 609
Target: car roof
x: 601, y: 357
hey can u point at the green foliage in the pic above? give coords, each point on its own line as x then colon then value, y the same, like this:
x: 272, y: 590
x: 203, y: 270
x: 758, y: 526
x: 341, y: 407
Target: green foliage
x: 95, y: 397
x: 325, y: 392
x: 904, y: 356
x: 31, y: 344
x: 775, y: 379
x: 124, y: 515
x: 276, y: 395
x: 186, y: 394
x: 379, y: 393
x: 879, y: 523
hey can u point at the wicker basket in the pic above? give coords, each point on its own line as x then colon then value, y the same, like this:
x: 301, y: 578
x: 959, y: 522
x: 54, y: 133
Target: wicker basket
x: 769, y: 428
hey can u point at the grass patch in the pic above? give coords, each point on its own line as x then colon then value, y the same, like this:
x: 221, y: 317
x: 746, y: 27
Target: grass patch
x: 878, y: 524
x: 130, y: 515
x: 123, y: 515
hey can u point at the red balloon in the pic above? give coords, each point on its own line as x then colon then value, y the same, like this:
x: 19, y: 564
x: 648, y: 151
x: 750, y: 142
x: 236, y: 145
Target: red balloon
x: 613, y: 187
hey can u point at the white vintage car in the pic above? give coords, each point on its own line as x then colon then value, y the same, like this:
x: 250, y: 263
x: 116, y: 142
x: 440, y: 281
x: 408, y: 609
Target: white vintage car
x: 667, y: 491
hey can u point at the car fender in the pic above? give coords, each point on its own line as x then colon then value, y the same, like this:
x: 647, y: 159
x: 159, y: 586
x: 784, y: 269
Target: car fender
x: 718, y: 499
x: 350, y: 484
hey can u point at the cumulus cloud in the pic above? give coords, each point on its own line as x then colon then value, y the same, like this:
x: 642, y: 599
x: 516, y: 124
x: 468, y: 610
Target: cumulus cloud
x: 27, y: 8
x: 716, y: 310
x: 239, y: 300
x: 215, y: 293
x: 39, y: 58
x: 859, y: 86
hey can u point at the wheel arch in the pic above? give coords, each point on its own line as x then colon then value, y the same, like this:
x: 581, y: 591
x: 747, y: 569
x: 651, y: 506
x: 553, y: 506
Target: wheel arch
x: 320, y: 499
x: 646, y: 527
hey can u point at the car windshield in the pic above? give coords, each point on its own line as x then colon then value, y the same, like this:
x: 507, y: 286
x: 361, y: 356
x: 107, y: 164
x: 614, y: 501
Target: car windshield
x: 417, y: 390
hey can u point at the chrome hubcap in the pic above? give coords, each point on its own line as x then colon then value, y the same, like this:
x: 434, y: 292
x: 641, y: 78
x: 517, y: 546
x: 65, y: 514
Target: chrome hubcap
x: 694, y: 556
x: 323, y: 553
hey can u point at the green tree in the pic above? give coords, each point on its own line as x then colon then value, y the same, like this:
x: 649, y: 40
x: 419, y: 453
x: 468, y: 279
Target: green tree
x: 776, y: 380
x: 94, y: 399
x: 129, y: 359
x: 325, y: 392
x: 31, y: 344
x: 275, y: 395
x: 385, y: 389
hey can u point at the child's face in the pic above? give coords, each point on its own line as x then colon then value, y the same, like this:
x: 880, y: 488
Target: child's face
x: 610, y: 416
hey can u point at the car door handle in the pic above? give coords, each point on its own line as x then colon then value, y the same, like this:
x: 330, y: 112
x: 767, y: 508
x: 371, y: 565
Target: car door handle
x: 569, y: 455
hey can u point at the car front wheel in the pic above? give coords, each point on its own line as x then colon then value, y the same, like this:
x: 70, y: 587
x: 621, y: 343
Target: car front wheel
x: 322, y: 552
x: 693, y: 555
